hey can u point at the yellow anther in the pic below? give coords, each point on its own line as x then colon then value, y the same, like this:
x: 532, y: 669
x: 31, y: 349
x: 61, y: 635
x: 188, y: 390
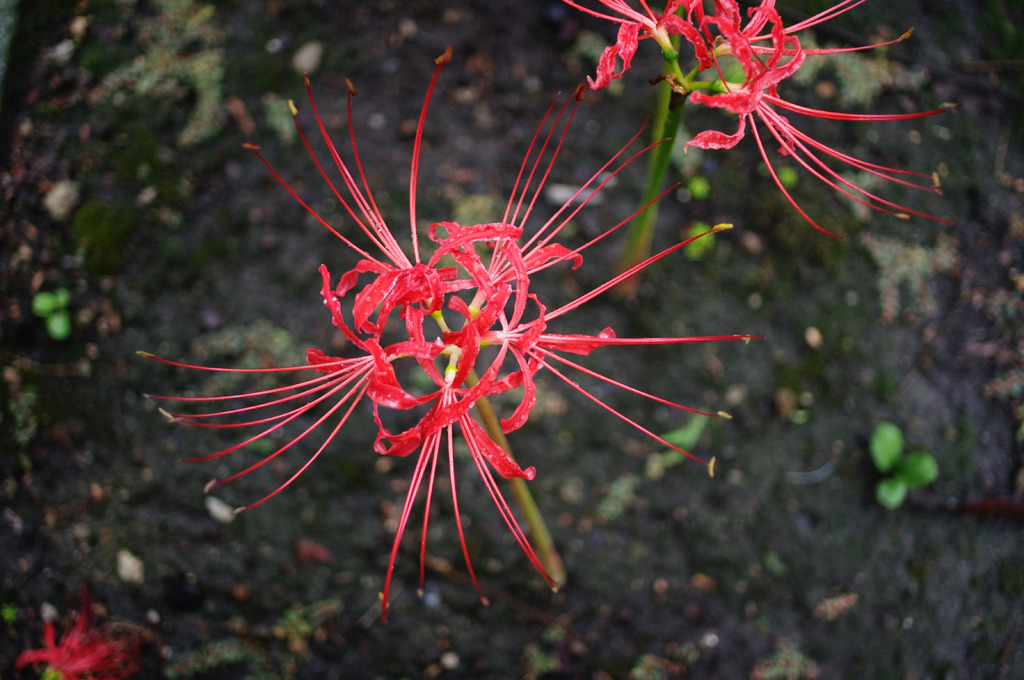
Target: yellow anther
x: 711, y: 467
x: 291, y: 107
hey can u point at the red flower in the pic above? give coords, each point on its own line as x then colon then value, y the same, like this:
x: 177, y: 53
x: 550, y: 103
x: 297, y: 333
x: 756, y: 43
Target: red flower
x: 86, y: 652
x: 634, y: 25
x: 468, y: 320
x: 757, y: 99
x: 769, y: 52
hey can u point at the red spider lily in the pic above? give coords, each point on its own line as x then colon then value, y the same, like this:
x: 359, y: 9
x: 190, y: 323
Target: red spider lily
x: 474, y: 328
x: 757, y: 99
x: 85, y: 651
x: 634, y: 25
x: 769, y: 53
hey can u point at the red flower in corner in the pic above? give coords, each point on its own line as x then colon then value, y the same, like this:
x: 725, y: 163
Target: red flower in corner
x: 769, y: 53
x: 86, y: 652
x: 757, y: 100
x: 634, y: 25
x: 464, y: 314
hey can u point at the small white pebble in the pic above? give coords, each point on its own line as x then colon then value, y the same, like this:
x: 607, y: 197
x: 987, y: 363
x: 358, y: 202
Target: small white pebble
x: 449, y: 661
x: 129, y: 567
x: 710, y: 640
x: 560, y: 194
x: 813, y: 337
x: 61, y: 199
x: 48, y: 612
x: 219, y: 510
x: 307, y: 58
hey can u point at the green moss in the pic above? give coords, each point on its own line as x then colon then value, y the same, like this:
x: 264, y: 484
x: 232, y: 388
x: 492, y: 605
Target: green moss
x: 1000, y: 22
x: 102, y: 231
x: 911, y: 266
x: 137, y: 152
x: 181, y: 61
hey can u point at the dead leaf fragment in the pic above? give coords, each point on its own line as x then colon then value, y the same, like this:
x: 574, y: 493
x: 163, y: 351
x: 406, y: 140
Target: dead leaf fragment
x: 834, y: 607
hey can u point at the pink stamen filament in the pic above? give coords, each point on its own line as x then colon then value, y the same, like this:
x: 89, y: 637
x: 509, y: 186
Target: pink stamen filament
x: 374, y: 226
x: 803, y: 143
x: 313, y: 212
x: 571, y: 383
x: 621, y: 277
x: 417, y: 146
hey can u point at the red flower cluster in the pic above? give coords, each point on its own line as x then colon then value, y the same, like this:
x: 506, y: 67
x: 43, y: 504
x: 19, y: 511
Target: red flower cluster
x: 769, y: 53
x: 465, y: 314
x: 86, y: 652
x: 633, y: 26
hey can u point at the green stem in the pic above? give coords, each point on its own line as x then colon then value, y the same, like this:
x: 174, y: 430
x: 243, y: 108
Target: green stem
x: 667, y: 117
x: 539, y: 534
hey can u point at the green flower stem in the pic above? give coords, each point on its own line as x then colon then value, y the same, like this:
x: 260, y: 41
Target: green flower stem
x: 539, y: 534
x: 667, y: 117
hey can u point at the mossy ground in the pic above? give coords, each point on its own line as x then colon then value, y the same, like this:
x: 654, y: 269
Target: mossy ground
x: 782, y: 558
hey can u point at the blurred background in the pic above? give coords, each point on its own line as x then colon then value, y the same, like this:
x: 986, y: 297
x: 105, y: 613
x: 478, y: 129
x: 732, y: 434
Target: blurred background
x: 133, y: 219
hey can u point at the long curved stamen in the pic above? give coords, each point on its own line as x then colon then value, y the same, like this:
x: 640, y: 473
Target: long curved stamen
x: 626, y: 419
x: 337, y: 428
x: 594, y: 374
x: 440, y: 63
x: 255, y: 149
x: 428, y: 452
x: 372, y: 224
x: 611, y: 283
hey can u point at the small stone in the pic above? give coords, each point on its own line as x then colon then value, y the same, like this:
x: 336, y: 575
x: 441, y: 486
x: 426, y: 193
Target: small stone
x: 702, y: 582
x: 407, y: 28
x: 311, y: 552
x: 219, y: 510
x: 61, y: 199
x: 561, y: 194
x: 709, y: 640
x: 813, y: 337
x: 736, y: 394
x: 834, y: 607
x: 129, y: 567
x: 449, y: 661
x: 307, y: 58
x: 48, y: 612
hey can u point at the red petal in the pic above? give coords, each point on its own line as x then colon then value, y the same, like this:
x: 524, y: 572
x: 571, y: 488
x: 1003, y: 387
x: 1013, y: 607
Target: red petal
x: 577, y: 344
x: 401, y: 444
x: 678, y: 25
x: 522, y: 412
x: 713, y: 139
x: 311, y: 552
x: 502, y: 463
x: 624, y: 48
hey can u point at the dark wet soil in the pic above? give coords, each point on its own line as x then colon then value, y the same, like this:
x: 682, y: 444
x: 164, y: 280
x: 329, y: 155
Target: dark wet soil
x: 171, y: 238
